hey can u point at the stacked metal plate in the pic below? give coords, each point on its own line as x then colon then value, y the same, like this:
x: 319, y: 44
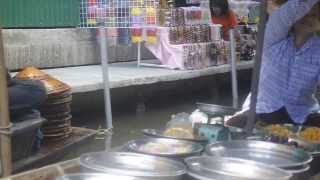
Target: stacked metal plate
x: 143, y: 167
x: 218, y: 168
x: 57, y: 108
x: 288, y: 158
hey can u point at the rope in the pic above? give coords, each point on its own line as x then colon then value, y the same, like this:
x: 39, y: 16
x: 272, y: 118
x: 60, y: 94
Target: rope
x: 6, y: 130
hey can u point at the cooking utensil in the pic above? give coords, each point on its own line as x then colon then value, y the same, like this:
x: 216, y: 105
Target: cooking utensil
x: 205, y: 168
x: 265, y: 152
x: 216, y: 110
x: 165, y: 147
x: 95, y: 177
x: 132, y: 164
x: 160, y: 134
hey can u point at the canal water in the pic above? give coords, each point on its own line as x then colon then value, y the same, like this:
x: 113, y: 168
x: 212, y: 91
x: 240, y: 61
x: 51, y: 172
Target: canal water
x: 128, y: 124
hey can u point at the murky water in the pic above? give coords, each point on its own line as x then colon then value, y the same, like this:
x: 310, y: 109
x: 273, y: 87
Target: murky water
x: 128, y: 124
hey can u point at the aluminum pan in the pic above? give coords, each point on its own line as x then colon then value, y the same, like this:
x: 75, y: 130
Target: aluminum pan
x: 88, y: 176
x: 205, y: 168
x: 131, y: 164
x: 265, y: 152
x: 159, y: 134
x: 191, y: 147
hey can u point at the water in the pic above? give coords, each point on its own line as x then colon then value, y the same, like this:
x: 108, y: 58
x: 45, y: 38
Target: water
x: 128, y: 124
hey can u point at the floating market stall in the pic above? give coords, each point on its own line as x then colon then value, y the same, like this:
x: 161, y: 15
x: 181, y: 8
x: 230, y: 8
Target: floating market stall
x: 175, y: 152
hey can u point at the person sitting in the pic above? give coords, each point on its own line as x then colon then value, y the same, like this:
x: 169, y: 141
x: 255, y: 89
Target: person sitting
x: 24, y: 96
x: 222, y: 14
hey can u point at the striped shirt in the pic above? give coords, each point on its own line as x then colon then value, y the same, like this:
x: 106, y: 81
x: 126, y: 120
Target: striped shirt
x: 289, y: 75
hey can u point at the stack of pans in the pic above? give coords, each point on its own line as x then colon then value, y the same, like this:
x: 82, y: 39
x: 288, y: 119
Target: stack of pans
x: 57, y: 108
x: 290, y: 159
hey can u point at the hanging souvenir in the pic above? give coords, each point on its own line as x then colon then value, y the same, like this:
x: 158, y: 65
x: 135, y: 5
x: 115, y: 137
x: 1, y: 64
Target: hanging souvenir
x: 152, y: 35
x: 150, y: 15
x: 92, y: 12
x: 136, y: 35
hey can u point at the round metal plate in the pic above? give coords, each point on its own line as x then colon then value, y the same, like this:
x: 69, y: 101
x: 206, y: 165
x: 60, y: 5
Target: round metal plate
x: 96, y: 177
x: 265, y: 152
x: 159, y: 134
x: 165, y: 147
x: 205, y: 168
x: 132, y: 164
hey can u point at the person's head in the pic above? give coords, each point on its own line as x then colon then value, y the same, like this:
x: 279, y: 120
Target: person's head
x: 219, y: 7
x: 310, y: 23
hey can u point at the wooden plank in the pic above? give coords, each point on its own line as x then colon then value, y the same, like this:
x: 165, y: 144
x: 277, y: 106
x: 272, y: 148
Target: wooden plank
x: 53, y: 152
x: 5, y: 139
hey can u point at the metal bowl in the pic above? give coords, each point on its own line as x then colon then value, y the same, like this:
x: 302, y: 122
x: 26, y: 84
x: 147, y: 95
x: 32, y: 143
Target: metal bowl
x: 133, y: 165
x: 216, y: 110
x: 159, y: 134
x: 205, y: 168
x: 281, y: 156
x: 172, y: 148
x: 96, y: 177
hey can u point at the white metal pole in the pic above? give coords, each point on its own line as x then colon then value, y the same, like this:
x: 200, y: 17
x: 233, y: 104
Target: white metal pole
x: 233, y: 63
x: 256, y: 69
x: 105, y: 71
x: 139, y: 54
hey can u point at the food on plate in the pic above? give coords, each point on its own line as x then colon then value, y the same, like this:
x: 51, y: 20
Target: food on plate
x: 163, y: 148
x: 279, y: 130
x: 310, y: 134
x: 179, y: 133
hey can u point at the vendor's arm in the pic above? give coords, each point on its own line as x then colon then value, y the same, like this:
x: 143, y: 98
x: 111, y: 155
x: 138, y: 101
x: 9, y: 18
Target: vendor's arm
x: 282, y: 20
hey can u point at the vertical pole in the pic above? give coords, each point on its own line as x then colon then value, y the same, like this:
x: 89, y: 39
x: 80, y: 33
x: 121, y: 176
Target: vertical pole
x: 5, y: 146
x: 234, y: 80
x: 105, y: 71
x: 139, y: 54
x: 257, y: 67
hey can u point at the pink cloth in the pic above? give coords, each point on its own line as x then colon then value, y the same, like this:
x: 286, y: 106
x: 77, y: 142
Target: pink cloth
x: 168, y: 54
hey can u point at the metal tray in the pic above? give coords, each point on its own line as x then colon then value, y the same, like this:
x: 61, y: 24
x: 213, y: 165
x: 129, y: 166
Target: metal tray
x: 131, y: 164
x: 95, y: 176
x: 159, y: 134
x: 281, y: 156
x: 216, y: 110
x: 172, y: 147
x: 205, y: 168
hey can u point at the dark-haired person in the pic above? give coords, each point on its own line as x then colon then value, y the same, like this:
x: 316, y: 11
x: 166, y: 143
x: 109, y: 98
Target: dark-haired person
x: 290, y: 70
x: 24, y: 96
x: 222, y: 14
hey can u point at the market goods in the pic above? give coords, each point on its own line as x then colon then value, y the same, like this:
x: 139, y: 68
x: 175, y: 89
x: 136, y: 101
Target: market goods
x: 279, y: 130
x: 179, y: 133
x: 310, y: 134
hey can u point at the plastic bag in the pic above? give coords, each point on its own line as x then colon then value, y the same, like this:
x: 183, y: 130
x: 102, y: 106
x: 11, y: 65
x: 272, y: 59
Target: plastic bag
x: 180, y: 126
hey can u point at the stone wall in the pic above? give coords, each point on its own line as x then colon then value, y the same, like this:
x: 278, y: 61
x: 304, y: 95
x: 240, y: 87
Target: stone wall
x: 47, y: 48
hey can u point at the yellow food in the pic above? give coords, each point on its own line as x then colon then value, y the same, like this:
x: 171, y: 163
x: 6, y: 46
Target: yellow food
x: 279, y: 130
x: 179, y: 133
x: 310, y: 134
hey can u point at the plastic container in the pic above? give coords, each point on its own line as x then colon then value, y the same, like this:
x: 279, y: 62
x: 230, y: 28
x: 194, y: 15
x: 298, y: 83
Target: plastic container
x: 24, y: 135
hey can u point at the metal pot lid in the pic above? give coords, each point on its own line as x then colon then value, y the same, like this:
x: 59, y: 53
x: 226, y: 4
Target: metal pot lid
x: 95, y: 177
x: 279, y: 155
x: 160, y: 134
x: 131, y: 164
x: 165, y: 147
x: 210, y: 168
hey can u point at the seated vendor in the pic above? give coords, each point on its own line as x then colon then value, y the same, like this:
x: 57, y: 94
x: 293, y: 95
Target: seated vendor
x: 290, y: 70
x: 24, y: 95
x: 222, y: 14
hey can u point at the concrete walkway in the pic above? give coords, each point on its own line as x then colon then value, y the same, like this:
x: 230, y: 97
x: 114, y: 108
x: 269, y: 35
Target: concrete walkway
x: 89, y: 78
